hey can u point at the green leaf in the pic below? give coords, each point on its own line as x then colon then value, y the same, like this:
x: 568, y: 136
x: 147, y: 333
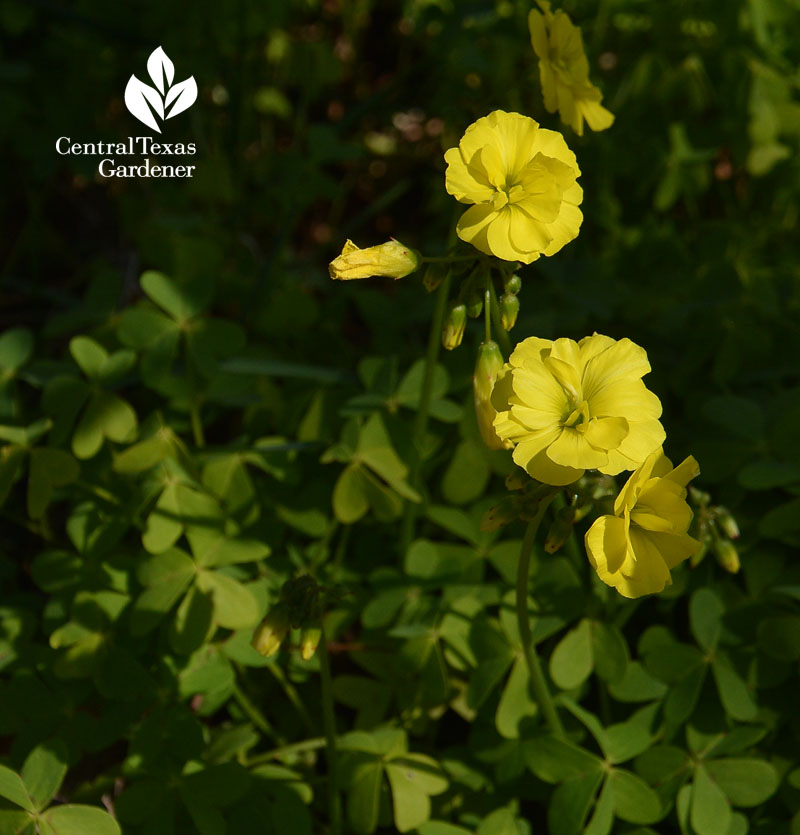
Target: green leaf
x: 364, y: 794
x: 603, y: 814
x: 12, y: 788
x: 705, y: 618
x: 409, y: 391
x: 375, y: 449
x: 106, y: 415
x: 350, y: 501
x: 733, y: 691
x: 212, y: 550
x: 16, y: 347
x: 570, y: 804
x: 516, y: 703
x: 500, y: 822
x: 779, y: 637
x: 628, y: 739
x: 194, y: 621
x: 182, y: 302
x: 682, y: 696
x: 411, y: 804
x: 235, y: 606
x: 144, y: 455
x: 746, y: 782
x: 466, y: 475
x: 572, y: 661
x: 767, y: 474
x: 610, y: 652
x: 49, y: 468
x: 556, y: 760
x: 710, y: 812
x: 43, y: 771
x: 90, y: 356
x: 17, y: 822
x: 72, y: 819
x: 637, y: 685
x: 634, y: 800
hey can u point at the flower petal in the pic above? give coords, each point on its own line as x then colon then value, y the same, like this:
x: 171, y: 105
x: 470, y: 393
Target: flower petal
x: 571, y: 449
x: 606, y: 433
x: 607, y: 546
x: 461, y: 182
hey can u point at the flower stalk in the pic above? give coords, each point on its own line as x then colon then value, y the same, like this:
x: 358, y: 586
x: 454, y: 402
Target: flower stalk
x: 329, y: 726
x: 421, y: 418
x: 537, y: 680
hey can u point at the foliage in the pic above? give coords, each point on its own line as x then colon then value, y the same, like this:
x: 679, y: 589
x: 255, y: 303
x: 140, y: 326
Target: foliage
x: 192, y: 413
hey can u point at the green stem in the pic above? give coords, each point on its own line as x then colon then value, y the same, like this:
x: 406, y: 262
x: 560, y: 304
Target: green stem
x: 329, y: 724
x: 291, y: 694
x: 194, y: 409
x: 487, y: 314
x: 538, y: 684
x: 445, y: 259
x: 421, y: 418
x: 253, y: 713
x: 502, y: 336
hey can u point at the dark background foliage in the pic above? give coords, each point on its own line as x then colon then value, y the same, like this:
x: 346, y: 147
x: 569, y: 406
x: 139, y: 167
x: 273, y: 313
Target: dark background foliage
x: 255, y: 383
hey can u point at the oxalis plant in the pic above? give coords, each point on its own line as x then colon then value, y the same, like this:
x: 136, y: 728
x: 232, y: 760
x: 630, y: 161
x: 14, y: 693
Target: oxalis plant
x: 242, y: 593
x: 584, y: 433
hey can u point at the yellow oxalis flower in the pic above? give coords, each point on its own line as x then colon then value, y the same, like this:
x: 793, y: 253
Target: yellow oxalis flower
x: 391, y: 259
x: 522, y: 180
x: 564, y: 71
x: 572, y: 406
x: 634, y: 549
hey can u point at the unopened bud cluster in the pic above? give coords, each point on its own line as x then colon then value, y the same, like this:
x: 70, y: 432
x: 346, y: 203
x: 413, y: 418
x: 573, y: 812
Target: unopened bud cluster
x: 717, y: 530
x: 300, y: 605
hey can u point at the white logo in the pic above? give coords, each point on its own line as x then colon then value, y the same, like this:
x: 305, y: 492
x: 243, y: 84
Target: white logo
x: 168, y: 100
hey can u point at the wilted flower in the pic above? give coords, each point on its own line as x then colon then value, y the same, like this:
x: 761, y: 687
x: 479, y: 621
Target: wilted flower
x: 488, y: 366
x: 522, y: 180
x: 391, y: 259
x: 571, y: 406
x: 634, y: 549
x: 564, y: 70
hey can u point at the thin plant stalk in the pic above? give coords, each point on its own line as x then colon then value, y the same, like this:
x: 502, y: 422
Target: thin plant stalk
x: 329, y: 725
x: 421, y: 418
x: 502, y: 336
x: 538, y: 683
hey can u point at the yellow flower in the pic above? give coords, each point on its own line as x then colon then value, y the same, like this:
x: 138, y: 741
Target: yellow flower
x: 571, y: 406
x: 564, y: 71
x: 391, y: 259
x: 634, y: 549
x: 488, y: 366
x: 522, y: 180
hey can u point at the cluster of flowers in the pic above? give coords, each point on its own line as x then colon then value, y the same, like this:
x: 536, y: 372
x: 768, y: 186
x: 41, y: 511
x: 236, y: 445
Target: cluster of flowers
x: 564, y: 407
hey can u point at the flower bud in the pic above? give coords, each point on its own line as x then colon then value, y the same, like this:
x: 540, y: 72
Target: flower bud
x: 516, y: 480
x: 501, y: 514
x: 509, y: 308
x: 513, y: 284
x: 487, y: 369
x: 454, y: 324
x: 391, y: 259
x: 560, y: 530
x: 434, y: 276
x: 309, y: 641
x: 727, y: 523
x: 727, y: 555
x: 270, y: 633
x: 474, y: 302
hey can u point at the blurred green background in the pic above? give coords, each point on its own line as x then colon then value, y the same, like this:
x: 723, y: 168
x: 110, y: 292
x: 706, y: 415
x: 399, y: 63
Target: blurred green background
x: 318, y: 121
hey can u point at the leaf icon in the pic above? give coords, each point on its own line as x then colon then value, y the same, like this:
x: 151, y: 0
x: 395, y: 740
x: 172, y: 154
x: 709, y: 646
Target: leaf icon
x: 184, y: 94
x: 137, y: 96
x: 159, y: 66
